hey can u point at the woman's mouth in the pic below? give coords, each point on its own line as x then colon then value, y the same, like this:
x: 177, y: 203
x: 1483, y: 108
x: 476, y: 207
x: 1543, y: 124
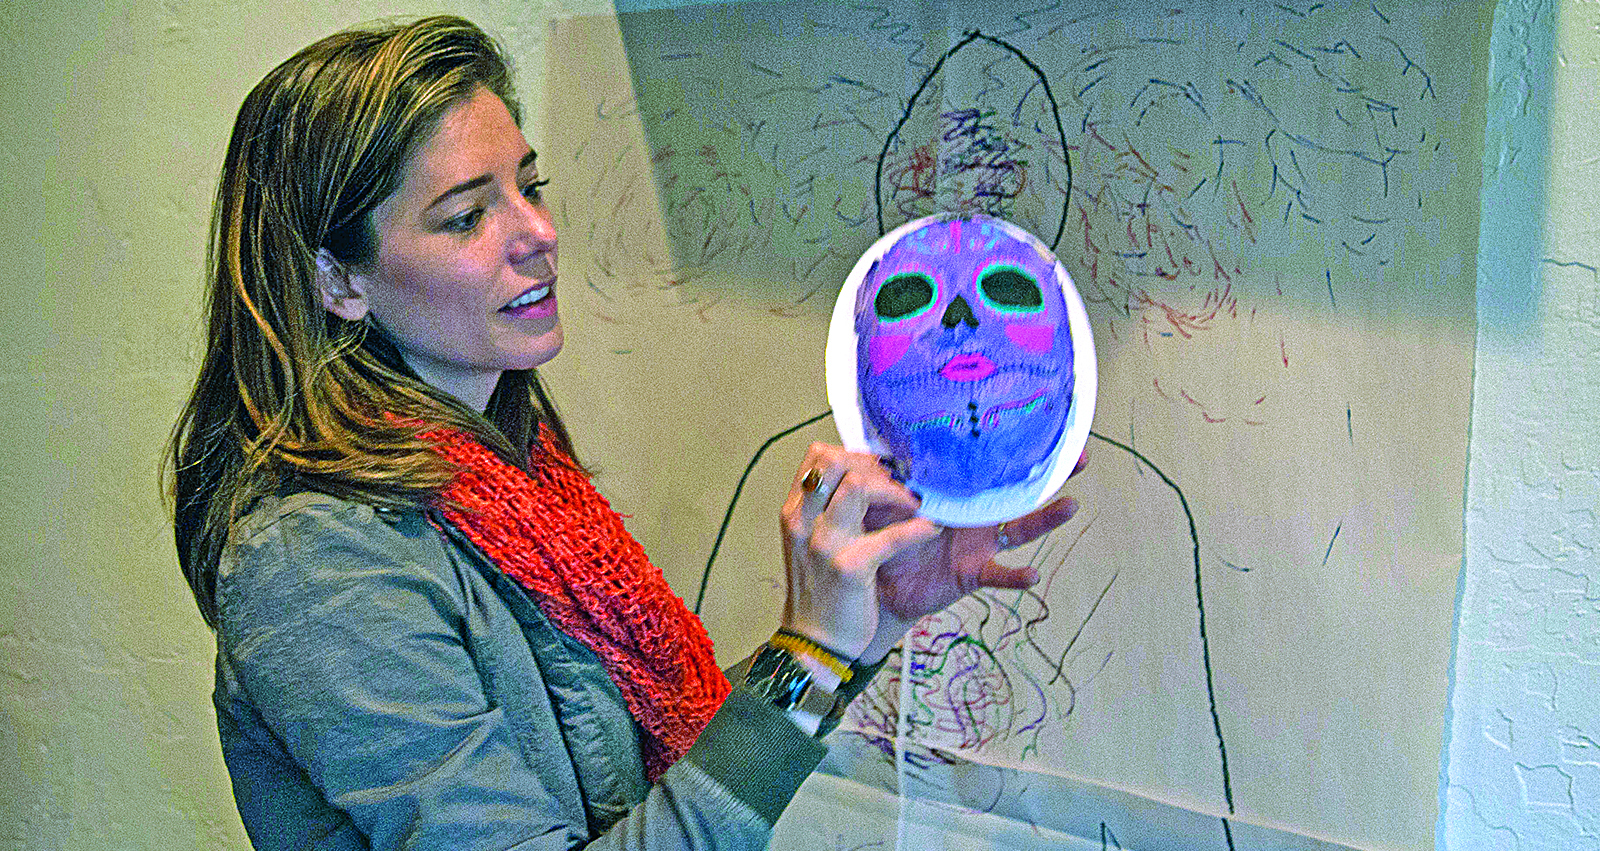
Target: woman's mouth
x: 538, y: 300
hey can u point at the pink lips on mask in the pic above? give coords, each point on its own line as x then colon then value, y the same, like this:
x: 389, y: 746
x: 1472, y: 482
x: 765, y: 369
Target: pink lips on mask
x: 969, y: 367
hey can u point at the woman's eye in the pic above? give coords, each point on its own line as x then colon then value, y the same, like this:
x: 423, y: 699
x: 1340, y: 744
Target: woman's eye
x: 904, y: 296
x: 532, y: 190
x: 463, y: 222
x: 1010, y: 289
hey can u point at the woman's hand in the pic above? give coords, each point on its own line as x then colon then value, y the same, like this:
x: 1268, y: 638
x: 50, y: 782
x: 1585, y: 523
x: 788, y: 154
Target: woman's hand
x: 862, y: 568
x: 831, y: 556
x: 925, y: 578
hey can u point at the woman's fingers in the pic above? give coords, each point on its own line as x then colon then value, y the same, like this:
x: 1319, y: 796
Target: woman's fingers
x: 875, y: 548
x: 994, y: 575
x: 814, y: 484
x: 1031, y: 527
x: 856, y: 550
x: 838, y: 504
x: 841, y: 526
x: 820, y: 475
x: 832, y: 557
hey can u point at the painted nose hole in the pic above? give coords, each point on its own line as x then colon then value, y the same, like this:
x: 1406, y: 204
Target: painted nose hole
x: 958, y: 312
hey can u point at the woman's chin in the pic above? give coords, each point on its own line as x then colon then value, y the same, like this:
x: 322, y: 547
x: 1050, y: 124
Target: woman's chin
x: 541, y: 350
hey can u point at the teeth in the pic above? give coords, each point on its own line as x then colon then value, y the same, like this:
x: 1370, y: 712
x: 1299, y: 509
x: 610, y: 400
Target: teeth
x: 530, y: 296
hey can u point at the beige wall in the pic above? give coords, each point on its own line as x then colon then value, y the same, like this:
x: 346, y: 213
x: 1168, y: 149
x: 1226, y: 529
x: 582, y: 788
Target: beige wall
x: 113, y: 121
x: 112, y: 126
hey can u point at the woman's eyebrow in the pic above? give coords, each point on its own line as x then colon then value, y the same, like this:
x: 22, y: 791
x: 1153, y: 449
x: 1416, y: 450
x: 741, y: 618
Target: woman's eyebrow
x: 457, y: 189
x: 474, y: 183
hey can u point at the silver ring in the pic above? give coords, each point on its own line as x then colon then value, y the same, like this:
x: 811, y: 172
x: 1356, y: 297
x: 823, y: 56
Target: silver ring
x: 1001, y: 539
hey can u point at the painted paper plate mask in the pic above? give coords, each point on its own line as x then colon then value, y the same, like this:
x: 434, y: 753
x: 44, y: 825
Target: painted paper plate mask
x: 960, y: 348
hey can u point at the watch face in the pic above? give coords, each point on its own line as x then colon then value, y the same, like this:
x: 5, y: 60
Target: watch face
x: 960, y: 349
x: 777, y: 677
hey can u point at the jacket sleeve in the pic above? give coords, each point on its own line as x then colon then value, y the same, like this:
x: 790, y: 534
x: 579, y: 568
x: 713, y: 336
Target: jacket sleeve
x: 349, y: 637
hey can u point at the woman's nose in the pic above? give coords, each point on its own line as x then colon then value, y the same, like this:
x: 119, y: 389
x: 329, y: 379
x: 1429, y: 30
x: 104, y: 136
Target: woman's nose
x: 536, y: 234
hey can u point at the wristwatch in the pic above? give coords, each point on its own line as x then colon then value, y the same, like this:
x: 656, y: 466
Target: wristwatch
x: 777, y: 677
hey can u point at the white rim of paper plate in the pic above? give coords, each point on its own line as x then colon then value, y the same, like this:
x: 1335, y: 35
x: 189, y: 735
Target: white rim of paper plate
x: 996, y: 505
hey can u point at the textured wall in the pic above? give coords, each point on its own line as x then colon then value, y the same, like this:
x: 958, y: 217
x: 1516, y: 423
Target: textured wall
x: 113, y: 122
x: 113, y: 119
x: 1523, y: 757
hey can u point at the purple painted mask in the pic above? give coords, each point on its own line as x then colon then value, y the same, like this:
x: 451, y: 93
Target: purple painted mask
x: 964, y: 354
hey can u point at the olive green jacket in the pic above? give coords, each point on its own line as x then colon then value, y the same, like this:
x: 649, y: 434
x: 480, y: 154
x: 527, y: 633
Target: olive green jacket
x: 380, y: 684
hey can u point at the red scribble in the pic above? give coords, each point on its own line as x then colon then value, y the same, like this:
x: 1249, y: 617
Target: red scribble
x: 1249, y: 221
x: 912, y: 180
x: 1146, y: 170
x: 1220, y: 273
x: 1094, y: 133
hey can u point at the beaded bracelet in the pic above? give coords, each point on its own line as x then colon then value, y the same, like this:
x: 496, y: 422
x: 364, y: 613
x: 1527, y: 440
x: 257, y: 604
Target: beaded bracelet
x: 794, y: 642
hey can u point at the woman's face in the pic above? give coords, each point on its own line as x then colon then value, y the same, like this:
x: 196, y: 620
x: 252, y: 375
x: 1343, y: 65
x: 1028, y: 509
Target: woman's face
x: 465, y: 272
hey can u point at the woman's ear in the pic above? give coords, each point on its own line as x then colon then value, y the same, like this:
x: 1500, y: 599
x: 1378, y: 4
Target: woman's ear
x: 342, y: 295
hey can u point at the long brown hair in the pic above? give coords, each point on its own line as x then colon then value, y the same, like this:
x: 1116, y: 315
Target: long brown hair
x: 289, y: 395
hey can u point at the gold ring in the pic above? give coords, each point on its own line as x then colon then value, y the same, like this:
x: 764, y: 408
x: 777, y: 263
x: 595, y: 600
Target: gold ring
x: 811, y: 480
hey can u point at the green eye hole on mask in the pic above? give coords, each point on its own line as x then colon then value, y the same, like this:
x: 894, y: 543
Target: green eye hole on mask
x: 904, y: 296
x: 1008, y: 289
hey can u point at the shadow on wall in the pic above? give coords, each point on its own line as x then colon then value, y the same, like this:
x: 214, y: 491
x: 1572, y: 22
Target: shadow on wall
x: 1516, y: 170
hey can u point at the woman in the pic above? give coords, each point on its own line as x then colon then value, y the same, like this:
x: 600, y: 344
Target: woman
x: 431, y: 631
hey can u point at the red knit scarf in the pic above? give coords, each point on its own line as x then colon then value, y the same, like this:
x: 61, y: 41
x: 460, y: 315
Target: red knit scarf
x: 557, y: 536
